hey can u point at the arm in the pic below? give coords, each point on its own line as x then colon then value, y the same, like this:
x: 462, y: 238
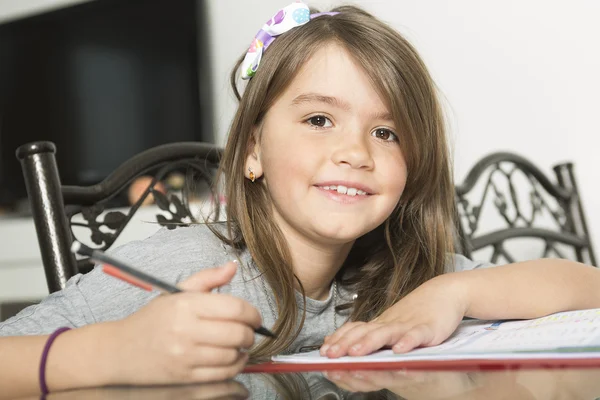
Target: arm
x: 71, y: 354
x: 529, y: 289
x: 428, y: 315
x: 519, y: 384
x: 188, y: 337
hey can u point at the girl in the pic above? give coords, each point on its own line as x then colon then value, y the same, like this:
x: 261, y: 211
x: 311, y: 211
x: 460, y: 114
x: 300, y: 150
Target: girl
x: 340, y: 204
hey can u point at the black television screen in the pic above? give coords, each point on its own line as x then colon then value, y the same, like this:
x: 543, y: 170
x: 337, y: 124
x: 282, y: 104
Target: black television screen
x: 103, y: 80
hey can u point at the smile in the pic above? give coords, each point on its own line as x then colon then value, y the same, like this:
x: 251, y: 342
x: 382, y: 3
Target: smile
x: 350, y: 191
x: 343, y: 194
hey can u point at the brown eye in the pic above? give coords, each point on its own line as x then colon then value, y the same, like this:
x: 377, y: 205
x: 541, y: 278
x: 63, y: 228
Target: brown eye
x: 319, y: 121
x: 384, y: 134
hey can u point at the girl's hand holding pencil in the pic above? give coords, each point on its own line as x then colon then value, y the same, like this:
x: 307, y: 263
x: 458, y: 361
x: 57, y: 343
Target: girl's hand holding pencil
x: 134, y: 276
x: 192, y: 336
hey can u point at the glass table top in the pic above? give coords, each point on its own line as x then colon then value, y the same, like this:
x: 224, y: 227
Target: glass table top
x: 556, y: 383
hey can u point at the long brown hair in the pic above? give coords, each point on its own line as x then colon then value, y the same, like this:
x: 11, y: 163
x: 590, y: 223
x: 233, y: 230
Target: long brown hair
x: 413, y: 244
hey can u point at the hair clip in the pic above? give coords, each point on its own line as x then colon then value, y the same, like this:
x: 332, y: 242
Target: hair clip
x: 289, y: 17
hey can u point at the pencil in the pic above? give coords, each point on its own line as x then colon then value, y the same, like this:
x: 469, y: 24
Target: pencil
x: 117, y: 268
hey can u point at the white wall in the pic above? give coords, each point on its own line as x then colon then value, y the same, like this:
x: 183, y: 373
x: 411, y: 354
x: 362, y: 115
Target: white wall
x: 517, y: 75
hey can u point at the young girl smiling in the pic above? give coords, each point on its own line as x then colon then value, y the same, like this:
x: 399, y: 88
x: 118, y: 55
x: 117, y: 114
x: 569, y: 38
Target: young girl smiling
x: 339, y: 209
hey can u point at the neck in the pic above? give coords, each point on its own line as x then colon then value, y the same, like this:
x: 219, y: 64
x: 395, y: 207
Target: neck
x: 316, y: 265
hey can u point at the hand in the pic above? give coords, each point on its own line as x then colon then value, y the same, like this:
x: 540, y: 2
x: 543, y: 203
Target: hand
x: 205, y: 391
x: 425, y: 317
x: 194, y: 336
x: 450, y: 385
x: 406, y: 383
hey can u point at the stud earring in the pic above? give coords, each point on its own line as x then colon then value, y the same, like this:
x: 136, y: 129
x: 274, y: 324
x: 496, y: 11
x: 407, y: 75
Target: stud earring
x: 251, y: 175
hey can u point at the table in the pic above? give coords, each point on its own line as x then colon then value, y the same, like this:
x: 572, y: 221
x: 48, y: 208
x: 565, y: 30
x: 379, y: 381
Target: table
x: 549, y: 383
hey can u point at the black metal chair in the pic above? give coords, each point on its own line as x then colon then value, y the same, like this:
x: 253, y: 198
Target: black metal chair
x: 505, y: 197
x: 54, y: 205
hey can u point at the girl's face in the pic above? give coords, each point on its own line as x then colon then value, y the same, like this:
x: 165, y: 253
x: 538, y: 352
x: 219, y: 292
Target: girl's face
x: 329, y: 153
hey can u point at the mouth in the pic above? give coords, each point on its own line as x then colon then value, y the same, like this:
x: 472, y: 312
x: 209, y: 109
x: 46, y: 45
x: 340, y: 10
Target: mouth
x: 346, y: 190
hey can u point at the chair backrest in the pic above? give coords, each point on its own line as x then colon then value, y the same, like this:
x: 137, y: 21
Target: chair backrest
x: 54, y: 205
x: 505, y: 197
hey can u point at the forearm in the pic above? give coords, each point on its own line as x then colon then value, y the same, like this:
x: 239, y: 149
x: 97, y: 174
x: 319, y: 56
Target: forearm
x: 78, y: 358
x: 530, y: 289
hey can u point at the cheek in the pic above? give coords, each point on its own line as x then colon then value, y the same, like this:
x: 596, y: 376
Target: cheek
x: 285, y: 156
x: 282, y: 165
x: 397, y: 187
x: 395, y: 173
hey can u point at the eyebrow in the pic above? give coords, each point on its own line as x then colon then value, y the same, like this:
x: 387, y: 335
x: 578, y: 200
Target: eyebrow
x: 335, y: 102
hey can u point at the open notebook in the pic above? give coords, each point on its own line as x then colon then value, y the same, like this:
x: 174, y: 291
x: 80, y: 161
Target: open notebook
x: 574, y: 334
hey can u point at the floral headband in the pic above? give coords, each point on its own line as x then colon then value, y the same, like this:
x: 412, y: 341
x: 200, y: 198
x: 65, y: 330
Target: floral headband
x: 296, y: 14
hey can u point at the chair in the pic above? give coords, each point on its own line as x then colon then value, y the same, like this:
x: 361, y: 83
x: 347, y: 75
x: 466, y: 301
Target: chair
x: 54, y: 205
x: 505, y: 197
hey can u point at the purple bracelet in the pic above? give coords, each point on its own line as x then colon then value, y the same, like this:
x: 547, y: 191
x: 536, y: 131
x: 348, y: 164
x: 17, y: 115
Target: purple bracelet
x: 49, y: 342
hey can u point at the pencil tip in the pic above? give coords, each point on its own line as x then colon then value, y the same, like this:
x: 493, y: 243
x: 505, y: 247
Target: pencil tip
x: 265, y: 332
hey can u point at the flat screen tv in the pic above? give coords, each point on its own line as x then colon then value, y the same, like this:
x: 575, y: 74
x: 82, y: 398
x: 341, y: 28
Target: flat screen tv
x: 103, y: 80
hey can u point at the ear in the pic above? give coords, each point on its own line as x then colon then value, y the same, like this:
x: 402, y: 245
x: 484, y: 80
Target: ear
x: 253, y: 157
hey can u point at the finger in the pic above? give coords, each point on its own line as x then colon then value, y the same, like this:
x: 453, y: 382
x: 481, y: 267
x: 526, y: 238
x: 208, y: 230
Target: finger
x: 379, y: 379
x: 375, y: 339
x: 210, y: 278
x: 361, y: 384
x: 218, y: 306
x: 335, y: 337
x: 349, y: 339
x: 342, y: 379
x: 420, y: 335
x: 205, y: 356
x: 222, y: 334
x: 212, y: 374
x: 341, y: 331
x: 352, y: 381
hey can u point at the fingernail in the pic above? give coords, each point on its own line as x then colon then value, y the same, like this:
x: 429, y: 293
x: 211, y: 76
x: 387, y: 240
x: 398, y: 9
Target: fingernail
x: 324, y: 349
x: 398, y: 347
x: 335, y: 348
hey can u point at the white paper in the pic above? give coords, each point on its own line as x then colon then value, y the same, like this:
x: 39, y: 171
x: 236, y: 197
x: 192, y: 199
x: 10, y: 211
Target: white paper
x: 573, y: 334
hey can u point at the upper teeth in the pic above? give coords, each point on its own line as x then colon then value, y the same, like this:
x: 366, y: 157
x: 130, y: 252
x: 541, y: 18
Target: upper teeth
x: 345, y: 190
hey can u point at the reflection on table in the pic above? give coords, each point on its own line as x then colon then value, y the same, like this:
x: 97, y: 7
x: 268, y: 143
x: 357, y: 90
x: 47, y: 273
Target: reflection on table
x: 387, y: 384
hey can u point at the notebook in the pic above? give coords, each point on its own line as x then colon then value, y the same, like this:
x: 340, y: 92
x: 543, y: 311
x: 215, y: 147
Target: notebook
x: 568, y: 335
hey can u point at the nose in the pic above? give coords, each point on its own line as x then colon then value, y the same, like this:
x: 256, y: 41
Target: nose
x: 353, y: 150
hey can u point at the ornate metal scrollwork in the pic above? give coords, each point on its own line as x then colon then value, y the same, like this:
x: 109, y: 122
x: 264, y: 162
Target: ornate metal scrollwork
x: 544, y: 210
x: 506, y: 201
x: 105, y: 227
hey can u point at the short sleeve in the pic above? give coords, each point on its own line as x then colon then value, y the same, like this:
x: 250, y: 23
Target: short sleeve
x: 170, y: 255
x: 462, y: 263
x: 67, y: 307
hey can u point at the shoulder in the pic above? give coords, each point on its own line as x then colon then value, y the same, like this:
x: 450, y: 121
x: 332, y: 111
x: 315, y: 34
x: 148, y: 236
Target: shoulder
x: 176, y: 253
x: 182, y: 235
x: 459, y: 263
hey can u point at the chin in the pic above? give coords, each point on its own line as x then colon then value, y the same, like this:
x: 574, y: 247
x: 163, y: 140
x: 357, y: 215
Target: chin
x: 339, y: 236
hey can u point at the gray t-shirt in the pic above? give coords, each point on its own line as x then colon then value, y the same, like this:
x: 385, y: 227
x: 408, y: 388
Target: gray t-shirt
x: 173, y: 255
